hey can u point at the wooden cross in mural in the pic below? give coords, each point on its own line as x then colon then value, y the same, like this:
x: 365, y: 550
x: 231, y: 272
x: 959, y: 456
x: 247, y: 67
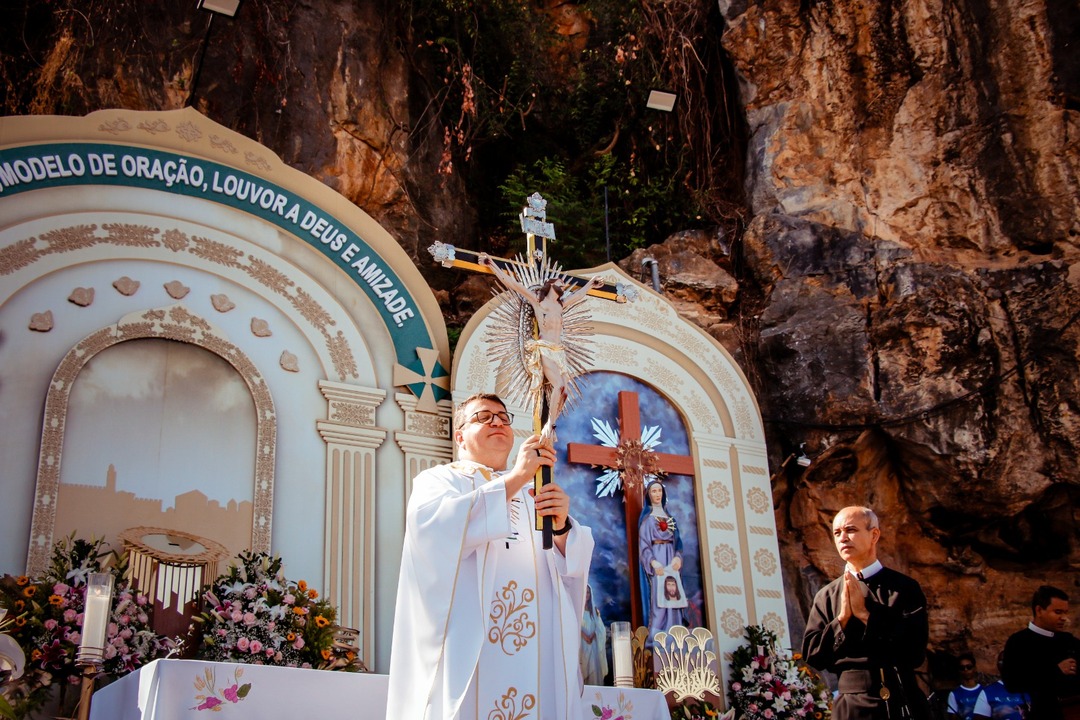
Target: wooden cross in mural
x: 633, y: 461
x: 543, y: 308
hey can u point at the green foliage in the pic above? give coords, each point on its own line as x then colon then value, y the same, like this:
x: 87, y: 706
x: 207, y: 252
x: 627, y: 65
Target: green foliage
x: 694, y: 709
x: 572, y: 208
x: 453, y: 332
x: 638, y: 213
x: 525, y: 109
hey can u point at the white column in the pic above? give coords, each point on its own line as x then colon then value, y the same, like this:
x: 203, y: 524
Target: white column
x: 426, y: 439
x: 351, y: 438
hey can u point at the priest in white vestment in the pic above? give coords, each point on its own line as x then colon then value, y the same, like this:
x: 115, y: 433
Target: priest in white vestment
x: 487, y: 623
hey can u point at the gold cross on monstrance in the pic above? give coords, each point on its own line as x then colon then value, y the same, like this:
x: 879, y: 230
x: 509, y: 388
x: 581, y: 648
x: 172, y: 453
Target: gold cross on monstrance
x: 538, y: 333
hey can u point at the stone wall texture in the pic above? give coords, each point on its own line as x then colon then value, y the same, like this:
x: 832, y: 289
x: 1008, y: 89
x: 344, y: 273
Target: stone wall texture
x: 913, y: 181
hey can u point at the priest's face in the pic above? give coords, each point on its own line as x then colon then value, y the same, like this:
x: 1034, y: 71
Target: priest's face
x: 488, y: 443
x: 1054, y: 617
x: 855, y: 540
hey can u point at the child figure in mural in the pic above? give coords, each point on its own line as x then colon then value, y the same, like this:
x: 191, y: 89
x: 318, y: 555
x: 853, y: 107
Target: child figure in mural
x: 593, y: 658
x: 660, y: 554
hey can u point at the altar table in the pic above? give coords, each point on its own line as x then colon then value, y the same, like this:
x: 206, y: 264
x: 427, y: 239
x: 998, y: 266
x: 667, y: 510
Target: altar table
x: 175, y: 689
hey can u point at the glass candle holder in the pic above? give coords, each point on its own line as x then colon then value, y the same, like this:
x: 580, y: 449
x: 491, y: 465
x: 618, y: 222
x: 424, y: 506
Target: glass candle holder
x: 622, y: 654
x: 99, y: 590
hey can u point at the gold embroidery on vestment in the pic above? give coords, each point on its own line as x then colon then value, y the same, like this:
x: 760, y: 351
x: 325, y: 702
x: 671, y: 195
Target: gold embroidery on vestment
x: 506, y: 707
x: 511, y: 624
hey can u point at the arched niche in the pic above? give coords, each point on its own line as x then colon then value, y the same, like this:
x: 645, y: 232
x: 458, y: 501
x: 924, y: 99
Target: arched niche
x: 646, y: 339
x: 174, y: 323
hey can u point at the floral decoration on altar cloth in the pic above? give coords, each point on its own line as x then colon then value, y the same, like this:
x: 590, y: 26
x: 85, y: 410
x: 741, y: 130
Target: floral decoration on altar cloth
x: 622, y: 711
x: 767, y: 684
x: 210, y: 697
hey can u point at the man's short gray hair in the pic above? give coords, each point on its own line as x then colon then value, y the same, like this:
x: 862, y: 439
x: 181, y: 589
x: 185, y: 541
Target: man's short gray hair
x: 866, y: 514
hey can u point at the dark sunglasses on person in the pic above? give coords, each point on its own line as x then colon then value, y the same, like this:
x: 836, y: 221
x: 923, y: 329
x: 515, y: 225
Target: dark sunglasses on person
x: 485, y: 417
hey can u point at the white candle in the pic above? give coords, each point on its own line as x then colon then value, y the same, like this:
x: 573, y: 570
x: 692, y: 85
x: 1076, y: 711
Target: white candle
x: 622, y: 654
x: 96, y: 616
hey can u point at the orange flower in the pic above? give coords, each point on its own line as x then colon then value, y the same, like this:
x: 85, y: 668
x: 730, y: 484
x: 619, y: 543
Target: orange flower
x: 299, y: 611
x: 29, y: 590
x: 326, y: 654
x: 20, y: 621
x: 320, y: 621
x: 290, y: 637
x: 35, y: 655
x: 19, y: 605
x: 56, y: 600
x: 797, y: 656
x: 313, y: 594
x: 22, y: 580
x: 301, y: 586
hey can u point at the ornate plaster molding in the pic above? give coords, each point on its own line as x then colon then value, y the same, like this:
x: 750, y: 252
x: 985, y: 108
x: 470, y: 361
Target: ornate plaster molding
x: 170, y: 323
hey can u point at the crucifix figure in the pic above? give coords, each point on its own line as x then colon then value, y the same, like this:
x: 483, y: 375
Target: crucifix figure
x: 550, y: 376
x: 538, y: 332
x: 633, y: 462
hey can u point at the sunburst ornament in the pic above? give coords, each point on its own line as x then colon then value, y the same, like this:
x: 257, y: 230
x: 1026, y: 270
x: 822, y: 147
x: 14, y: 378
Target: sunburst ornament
x: 635, y: 460
x: 518, y: 376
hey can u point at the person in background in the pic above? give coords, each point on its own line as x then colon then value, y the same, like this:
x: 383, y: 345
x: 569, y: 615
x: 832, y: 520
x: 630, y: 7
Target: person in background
x: 962, y: 698
x: 997, y: 703
x: 1041, y: 659
x: 870, y: 627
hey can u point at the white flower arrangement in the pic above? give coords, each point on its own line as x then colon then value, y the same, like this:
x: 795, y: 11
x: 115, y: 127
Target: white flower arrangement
x: 769, y: 685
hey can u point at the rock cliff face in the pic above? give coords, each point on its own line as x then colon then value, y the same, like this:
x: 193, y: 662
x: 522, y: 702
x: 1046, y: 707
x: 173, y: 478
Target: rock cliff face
x: 904, y: 297
x: 903, y: 294
x: 913, y: 180
x: 328, y: 86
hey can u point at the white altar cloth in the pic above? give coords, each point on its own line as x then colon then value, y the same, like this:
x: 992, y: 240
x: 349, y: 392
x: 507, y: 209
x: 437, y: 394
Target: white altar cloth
x: 190, y: 689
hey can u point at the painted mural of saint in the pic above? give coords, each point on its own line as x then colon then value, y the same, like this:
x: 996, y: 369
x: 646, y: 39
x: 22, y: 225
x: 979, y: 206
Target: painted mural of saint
x: 593, y: 655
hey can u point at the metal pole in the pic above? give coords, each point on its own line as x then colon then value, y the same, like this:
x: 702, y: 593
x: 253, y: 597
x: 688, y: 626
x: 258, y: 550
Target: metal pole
x: 655, y: 268
x: 198, y: 64
x: 89, y: 674
x: 607, y: 229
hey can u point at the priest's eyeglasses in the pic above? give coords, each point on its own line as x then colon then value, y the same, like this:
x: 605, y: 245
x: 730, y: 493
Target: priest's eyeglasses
x: 485, y: 417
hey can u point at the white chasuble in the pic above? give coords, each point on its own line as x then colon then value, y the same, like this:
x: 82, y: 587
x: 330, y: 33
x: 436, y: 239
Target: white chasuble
x: 507, y: 677
x: 487, y: 623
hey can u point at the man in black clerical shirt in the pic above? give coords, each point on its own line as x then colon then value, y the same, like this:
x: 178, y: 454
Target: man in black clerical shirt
x: 869, y: 626
x: 1041, y: 659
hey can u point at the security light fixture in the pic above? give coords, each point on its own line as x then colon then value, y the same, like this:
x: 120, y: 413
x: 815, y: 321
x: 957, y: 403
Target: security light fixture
x: 227, y: 8
x: 803, y: 460
x: 223, y: 7
x: 660, y: 100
